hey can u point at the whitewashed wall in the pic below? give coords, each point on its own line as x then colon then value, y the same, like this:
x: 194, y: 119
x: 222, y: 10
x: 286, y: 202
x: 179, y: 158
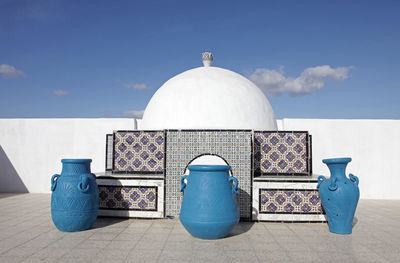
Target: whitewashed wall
x: 372, y: 144
x: 31, y: 149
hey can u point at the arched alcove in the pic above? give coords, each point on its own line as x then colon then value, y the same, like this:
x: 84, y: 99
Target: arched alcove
x: 206, y: 159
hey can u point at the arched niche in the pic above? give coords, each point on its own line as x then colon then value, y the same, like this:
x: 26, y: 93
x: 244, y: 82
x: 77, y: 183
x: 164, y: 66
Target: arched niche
x: 206, y: 159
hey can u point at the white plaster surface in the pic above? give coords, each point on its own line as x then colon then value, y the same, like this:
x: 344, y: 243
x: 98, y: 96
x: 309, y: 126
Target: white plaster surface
x: 31, y: 149
x: 209, y: 98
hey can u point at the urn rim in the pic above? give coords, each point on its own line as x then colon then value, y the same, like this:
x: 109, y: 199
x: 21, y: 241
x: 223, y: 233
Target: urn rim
x: 206, y: 168
x: 337, y: 160
x: 76, y: 160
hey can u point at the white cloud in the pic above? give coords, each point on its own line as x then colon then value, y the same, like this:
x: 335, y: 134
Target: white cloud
x: 60, y: 92
x: 136, y: 86
x: 134, y: 114
x: 274, y: 82
x: 10, y: 72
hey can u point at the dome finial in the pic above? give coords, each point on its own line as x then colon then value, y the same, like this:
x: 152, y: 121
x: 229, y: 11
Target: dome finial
x: 207, y: 58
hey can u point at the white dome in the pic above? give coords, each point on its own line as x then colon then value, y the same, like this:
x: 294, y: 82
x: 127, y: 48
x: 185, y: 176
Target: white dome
x: 209, y: 98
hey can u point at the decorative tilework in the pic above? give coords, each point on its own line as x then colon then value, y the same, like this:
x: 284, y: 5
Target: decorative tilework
x: 281, y: 153
x: 109, y: 151
x: 294, y: 200
x: 185, y: 145
x: 131, y: 197
x: 289, y: 201
x: 128, y: 197
x: 139, y: 151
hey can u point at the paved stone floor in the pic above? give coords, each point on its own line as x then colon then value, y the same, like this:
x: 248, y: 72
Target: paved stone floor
x: 27, y: 234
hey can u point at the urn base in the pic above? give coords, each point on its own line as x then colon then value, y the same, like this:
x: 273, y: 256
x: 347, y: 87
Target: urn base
x: 208, y: 230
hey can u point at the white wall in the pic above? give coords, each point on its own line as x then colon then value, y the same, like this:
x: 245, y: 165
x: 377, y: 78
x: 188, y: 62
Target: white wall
x: 31, y: 149
x: 374, y: 146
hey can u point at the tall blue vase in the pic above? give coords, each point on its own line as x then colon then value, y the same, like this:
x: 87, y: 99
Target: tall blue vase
x: 75, y: 197
x: 339, y: 195
x: 209, y: 209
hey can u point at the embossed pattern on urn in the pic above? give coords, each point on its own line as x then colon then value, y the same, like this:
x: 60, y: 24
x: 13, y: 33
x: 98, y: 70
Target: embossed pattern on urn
x: 74, y: 201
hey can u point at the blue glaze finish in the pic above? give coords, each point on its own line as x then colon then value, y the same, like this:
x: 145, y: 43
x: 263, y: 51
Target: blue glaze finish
x: 74, y: 201
x: 339, y: 195
x: 209, y: 209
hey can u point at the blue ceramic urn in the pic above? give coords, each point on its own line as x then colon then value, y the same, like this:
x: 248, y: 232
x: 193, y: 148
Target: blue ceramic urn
x: 74, y: 201
x: 209, y: 208
x: 339, y: 195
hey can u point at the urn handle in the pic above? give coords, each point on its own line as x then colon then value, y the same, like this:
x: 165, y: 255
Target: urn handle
x: 54, y: 179
x: 333, y: 186
x: 354, y: 178
x: 183, y: 184
x: 235, y: 186
x: 83, y: 186
x: 321, y: 178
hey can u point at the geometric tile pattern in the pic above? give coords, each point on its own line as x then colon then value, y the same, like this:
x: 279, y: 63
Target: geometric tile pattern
x: 183, y: 146
x: 281, y: 153
x: 139, y: 151
x: 287, y: 201
x: 128, y: 197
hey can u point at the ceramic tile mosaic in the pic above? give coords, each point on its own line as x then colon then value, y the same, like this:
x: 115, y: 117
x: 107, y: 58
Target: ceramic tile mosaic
x: 184, y: 146
x: 109, y: 151
x: 131, y: 197
x: 281, y: 153
x: 139, y: 151
x: 128, y: 197
x: 287, y: 201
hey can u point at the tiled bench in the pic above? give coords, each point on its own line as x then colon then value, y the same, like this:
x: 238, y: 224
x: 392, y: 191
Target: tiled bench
x: 134, y: 182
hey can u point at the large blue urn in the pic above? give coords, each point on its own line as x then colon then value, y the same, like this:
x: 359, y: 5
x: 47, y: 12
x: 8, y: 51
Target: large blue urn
x: 209, y: 208
x: 74, y: 201
x: 339, y: 195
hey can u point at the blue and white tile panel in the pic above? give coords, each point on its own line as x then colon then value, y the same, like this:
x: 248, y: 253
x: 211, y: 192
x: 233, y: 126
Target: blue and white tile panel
x: 152, y: 190
x: 281, y: 153
x: 139, y: 152
x: 282, y: 197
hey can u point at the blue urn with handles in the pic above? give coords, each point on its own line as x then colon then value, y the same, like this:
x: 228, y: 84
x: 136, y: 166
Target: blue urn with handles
x: 209, y: 208
x: 339, y: 195
x: 75, y: 196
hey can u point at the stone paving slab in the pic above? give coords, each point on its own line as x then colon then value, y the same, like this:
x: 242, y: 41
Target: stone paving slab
x: 27, y: 234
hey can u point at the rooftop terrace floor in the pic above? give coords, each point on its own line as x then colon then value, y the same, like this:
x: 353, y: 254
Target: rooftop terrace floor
x: 27, y: 234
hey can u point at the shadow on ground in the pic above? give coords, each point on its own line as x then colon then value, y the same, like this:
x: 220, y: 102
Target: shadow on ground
x: 107, y: 221
x: 355, y: 221
x: 5, y: 195
x: 245, y: 224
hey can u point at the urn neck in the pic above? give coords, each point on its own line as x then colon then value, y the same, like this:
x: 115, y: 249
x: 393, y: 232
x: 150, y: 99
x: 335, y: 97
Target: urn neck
x: 337, y: 167
x: 76, y: 166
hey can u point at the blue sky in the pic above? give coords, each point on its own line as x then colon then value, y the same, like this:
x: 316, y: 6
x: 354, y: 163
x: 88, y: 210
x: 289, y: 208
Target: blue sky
x: 314, y: 59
